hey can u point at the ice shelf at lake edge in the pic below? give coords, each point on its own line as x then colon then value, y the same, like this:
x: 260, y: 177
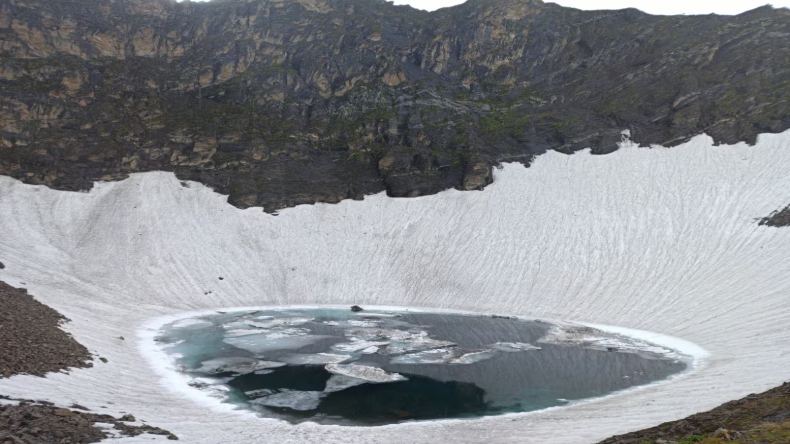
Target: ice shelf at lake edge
x: 658, y: 240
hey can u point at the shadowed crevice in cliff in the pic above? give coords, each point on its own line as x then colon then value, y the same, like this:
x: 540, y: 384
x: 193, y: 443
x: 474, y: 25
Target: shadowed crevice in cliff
x: 278, y: 103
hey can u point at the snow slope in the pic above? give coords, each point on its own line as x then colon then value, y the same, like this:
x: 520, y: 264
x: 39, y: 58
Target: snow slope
x: 662, y: 240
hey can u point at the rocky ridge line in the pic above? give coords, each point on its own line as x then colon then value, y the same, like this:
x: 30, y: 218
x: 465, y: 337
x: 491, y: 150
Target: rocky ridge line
x: 284, y: 102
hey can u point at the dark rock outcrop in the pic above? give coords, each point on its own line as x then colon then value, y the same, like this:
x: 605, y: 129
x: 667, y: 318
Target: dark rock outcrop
x: 283, y: 102
x: 31, y: 338
x: 39, y: 423
x: 734, y: 418
x: 779, y: 218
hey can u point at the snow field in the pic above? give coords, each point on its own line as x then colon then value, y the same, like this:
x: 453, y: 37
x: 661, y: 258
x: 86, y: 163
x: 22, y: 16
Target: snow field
x: 658, y: 240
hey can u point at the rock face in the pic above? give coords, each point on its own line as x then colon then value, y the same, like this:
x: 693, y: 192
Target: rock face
x: 744, y: 419
x: 283, y: 102
x: 780, y: 218
x: 31, y: 338
x: 31, y: 422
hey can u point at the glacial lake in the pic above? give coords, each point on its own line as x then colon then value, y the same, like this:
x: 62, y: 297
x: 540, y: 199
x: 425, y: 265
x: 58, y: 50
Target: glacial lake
x: 375, y: 367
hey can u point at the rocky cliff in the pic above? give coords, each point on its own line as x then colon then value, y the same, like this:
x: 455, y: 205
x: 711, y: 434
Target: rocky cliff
x: 283, y: 102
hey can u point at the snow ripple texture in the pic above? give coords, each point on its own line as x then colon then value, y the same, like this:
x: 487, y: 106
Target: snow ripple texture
x: 662, y: 240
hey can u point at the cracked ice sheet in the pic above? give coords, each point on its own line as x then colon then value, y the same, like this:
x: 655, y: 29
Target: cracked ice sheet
x: 192, y: 323
x: 292, y: 399
x: 598, y: 339
x: 238, y: 365
x: 444, y: 356
x: 337, y: 383
x: 318, y: 358
x: 650, y: 240
x: 389, y: 341
x: 357, y: 345
x: 278, y: 322
x: 274, y: 340
x: 511, y: 347
x: 364, y: 373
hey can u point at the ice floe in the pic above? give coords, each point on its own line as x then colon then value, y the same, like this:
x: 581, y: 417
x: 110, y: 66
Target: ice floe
x: 444, y: 356
x: 595, y: 339
x: 514, y: 346
x: 238, y: 365
x: 281, y: 340
x: 292, y: 399
x: 371, y: 314
x: 314, y: 359
x: 390, y: 341
x: 357, y: 345
x: 192, y: 323
x: 278, y: 322
x: 369, y: 323
x: 365, y: 373
x: 260, y: 392
x: 237, y: 333
x: 336, y: 383
x: 213, y: 388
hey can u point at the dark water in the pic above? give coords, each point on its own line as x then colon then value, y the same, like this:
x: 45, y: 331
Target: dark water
x: 450, y: 366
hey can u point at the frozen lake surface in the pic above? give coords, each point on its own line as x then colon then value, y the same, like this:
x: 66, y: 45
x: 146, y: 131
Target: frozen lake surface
x: 334, y: 366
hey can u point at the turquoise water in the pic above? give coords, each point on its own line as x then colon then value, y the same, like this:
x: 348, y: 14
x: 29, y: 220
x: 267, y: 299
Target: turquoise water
x: 370, y: 368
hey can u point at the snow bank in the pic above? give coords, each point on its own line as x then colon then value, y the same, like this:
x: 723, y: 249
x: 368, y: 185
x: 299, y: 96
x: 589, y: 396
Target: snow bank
x: 651, y: 240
